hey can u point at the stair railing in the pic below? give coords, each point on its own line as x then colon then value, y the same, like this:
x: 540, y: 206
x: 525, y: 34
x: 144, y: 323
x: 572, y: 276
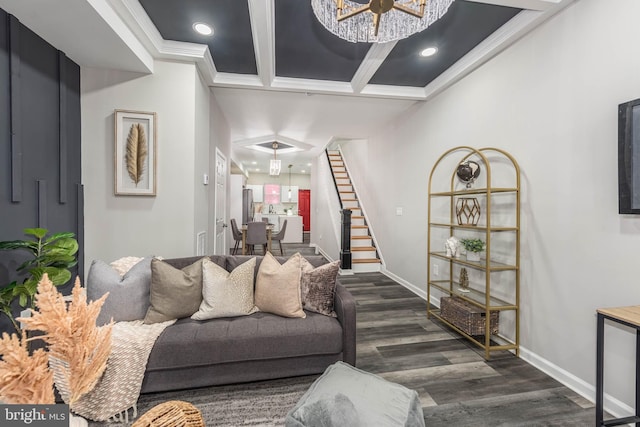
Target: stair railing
x: 345, y: 225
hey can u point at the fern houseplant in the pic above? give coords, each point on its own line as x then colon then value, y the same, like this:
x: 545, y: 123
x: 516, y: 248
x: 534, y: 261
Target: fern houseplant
x: 53, y: 255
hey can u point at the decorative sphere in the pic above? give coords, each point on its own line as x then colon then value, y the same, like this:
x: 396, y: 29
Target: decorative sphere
x: 468, y: 171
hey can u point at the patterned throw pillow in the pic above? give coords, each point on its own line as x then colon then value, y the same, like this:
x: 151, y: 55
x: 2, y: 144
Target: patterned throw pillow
x: 319, y: 287
x: 226, y: 294
x: 128, y: 295
x: 278, y: 287
x: 124, y: 264
x: 174, y: 293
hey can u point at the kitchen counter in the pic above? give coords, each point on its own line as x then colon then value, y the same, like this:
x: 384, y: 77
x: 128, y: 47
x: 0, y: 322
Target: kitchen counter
x: 294, y: 228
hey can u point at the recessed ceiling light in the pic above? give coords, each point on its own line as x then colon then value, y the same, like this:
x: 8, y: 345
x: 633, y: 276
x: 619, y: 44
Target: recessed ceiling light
x: 202, y: 28
x: 303, y: 171
x: 309, y: 164
x: 430, y: 51
x: 257, y: 169
x: 254, y: 163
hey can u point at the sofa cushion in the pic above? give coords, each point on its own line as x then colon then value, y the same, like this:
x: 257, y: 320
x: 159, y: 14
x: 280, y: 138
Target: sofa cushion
x: 318, y: 287
x: 128, y: 295
x: 175, y: 293
x: 278, y: 286
x: 226, y: 294
x: 260, y: 336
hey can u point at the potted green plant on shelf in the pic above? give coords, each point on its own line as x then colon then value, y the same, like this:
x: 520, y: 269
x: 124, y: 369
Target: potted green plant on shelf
x: 53, y: 255
x: 473, y: 248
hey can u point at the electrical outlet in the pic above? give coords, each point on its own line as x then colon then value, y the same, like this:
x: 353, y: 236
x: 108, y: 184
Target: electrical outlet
x: 435, y: 270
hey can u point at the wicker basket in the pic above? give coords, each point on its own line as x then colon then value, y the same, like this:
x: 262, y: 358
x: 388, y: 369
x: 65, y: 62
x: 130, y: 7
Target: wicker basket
x: 466, y: 316
x: 173, y: 413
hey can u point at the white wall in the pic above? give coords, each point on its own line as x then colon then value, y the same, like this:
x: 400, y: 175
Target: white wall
x: 201, y: 161
x: 551, y: 101
x: 220, y: 138
x: 325, y: 210
x: 162, y: 225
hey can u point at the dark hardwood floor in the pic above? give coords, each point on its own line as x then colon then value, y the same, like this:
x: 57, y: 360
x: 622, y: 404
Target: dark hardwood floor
x: 457, y: 387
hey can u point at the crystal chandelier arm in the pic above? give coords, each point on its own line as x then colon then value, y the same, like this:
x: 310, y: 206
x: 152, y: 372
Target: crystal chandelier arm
x: 376, y: 23
x: 410, y: 11
x: 353, y: 12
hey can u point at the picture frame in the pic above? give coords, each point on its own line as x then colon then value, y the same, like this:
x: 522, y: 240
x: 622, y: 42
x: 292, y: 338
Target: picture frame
x: 629, y: 157
x: 135, y: 156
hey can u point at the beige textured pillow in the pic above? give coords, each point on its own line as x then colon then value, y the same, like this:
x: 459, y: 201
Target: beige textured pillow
x: 124, y: 264
x: 174, y: 293
x: 318, y: 287
x: 226, y: 294
x: 278, y: 287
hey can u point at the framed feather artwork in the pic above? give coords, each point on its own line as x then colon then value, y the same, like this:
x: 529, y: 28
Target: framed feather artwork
x: 135, y: 153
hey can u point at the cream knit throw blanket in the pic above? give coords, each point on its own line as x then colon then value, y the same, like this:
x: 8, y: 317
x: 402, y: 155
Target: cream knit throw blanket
x: 118, y: 389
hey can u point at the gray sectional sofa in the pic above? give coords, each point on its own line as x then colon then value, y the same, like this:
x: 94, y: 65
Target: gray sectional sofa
x: 261, y: 346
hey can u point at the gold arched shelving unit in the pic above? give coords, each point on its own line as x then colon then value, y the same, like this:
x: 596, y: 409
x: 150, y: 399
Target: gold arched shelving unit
x: 493, y: 265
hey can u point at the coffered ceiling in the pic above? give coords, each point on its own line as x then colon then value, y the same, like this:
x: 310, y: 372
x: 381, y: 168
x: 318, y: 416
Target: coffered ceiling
x: 277, y: 73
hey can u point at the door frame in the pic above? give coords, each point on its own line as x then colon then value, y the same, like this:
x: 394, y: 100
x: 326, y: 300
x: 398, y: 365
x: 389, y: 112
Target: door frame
x: 220, y: 155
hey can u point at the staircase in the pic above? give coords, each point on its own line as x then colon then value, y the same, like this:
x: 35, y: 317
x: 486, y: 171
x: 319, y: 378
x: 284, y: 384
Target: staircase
x: 364, y: 254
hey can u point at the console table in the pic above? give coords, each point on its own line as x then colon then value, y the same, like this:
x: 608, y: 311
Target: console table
x: 628, y: 316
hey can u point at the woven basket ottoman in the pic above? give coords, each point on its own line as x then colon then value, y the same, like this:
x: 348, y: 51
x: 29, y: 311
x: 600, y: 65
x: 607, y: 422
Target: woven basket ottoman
x: 173, y: 413
x: 347, y: 396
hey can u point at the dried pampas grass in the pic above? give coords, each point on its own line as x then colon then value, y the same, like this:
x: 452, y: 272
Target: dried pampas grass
x: 72, y: 336
x: 24, y: 378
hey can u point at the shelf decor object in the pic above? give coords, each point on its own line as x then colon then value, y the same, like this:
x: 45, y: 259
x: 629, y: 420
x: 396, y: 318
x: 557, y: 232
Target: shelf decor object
x: 468, y: 211
x: 468, y: 317
x: 476, y: 302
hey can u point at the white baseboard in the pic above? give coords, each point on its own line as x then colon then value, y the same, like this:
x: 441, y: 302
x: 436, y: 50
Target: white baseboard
x: 612, y: 405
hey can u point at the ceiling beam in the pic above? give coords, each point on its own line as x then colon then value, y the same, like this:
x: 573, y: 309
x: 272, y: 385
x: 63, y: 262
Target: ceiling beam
x: 370, y: 64
x: 262, y: 16
x: 538, y: 5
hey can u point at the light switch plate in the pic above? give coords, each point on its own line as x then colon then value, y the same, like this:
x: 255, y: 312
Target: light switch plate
x: 399, y: 211
x: 205, y: 179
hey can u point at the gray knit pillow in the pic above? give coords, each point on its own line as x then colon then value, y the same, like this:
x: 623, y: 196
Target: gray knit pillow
x: 128, y: 295
x: 318, y: 287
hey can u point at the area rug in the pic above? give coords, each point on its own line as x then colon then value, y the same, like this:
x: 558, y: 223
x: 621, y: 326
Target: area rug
x: 263, y: 403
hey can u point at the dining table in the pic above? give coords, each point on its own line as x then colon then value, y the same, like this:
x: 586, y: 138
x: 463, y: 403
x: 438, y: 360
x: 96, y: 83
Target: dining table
x: 243, y: 228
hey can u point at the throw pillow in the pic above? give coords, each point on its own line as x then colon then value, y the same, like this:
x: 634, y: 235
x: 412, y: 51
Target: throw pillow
x: 128, y: 295
x: 124, y: 264
x: 226, y: 294
x: 318, y: 286
x: 278, y: 287
x: 174, y: 293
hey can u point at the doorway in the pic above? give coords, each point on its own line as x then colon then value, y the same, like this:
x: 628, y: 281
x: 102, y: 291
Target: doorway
x: 219, y: 243
x: 304, y: 208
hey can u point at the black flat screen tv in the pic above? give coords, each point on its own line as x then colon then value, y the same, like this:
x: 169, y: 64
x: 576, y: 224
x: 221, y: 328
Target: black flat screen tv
x: 629, y: 157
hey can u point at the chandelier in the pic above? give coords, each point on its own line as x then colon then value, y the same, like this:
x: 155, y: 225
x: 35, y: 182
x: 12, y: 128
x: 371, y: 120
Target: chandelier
x: 274, y: 164
x: 379, y: 21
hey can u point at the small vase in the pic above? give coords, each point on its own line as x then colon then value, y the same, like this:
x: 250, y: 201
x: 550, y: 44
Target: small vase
x: 473, y: 256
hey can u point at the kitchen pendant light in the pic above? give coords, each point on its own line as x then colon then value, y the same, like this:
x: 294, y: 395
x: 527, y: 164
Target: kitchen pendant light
x: 274, y: 164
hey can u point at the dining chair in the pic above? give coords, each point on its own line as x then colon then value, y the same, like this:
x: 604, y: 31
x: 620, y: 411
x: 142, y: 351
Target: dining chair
x: 237, y: 235
x: 257, y: 235
x: 280, y: 236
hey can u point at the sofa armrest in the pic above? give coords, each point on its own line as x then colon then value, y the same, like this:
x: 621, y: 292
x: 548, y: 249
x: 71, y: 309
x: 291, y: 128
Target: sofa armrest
x: 345, y: 308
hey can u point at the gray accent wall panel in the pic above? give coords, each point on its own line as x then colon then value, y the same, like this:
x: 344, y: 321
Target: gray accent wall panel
x: 15, y: 114
x: 40, y: 121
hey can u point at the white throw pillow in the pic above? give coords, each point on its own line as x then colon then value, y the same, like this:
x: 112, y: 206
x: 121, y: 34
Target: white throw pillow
x: 226, y: 294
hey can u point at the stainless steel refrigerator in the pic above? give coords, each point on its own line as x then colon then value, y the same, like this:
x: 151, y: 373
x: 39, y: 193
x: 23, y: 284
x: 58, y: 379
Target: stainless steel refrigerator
x: 247, y: 205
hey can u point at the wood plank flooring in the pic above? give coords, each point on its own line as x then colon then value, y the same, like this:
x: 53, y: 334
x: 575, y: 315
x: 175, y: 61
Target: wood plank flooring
x: 457, y: 387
